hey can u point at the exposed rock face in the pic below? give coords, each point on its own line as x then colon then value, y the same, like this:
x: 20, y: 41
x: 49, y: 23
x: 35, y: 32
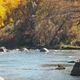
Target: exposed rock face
x: 76, y: 69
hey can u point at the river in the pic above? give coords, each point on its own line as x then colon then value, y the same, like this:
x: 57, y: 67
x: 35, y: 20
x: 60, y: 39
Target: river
x: 36, y: 65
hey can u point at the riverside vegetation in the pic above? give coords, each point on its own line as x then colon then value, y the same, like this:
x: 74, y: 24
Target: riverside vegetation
x: 40, y: 23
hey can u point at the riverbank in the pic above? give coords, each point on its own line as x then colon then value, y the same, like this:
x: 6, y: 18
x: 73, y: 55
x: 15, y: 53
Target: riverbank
x: 15, y: 44
x: 63, y: 47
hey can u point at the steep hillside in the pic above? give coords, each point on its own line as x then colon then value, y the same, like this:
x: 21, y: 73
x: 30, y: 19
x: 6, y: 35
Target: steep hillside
x: 40, y: 23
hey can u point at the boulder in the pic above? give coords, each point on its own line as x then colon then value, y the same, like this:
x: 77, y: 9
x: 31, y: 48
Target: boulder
x: 76, y: 69
x: 71, y: 62
x: 24, y: 49
x: 3, y: 49
x: 44, y: 50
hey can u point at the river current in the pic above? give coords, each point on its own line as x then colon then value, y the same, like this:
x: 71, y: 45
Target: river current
x: 36, y: 65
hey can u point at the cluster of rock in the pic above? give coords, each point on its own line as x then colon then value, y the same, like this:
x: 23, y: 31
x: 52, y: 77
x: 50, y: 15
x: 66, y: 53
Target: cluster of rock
x: 4, y: 49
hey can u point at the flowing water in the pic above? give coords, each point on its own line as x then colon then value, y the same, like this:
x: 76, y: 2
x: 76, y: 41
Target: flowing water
x: 36, y: 65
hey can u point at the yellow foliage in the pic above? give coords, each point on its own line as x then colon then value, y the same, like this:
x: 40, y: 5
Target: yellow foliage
x: 14, y: 3
x: 6, y: 6
x: 11, y: 20
x: 74, y: 29
x: 2, y: 12
x: 1, y: 24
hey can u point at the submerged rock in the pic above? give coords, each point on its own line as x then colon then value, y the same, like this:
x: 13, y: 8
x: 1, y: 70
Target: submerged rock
x: 17, y: 49
x: 76, y: 69
x: 24, y: 49
x: 60, y: 67
x: 71, y: 62
x: 44, y: 50
x: 3, y: 49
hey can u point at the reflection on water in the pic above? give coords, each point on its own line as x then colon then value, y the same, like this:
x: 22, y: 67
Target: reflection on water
x: 35, y: 65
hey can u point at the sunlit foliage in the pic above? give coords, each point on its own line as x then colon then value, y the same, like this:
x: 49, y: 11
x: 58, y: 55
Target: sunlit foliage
x: 6, y: 6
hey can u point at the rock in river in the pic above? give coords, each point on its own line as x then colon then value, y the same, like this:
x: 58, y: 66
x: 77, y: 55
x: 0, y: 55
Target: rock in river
x: 60, y: 67
x: 3, y: 49
x: 71, y: 62
x: 76, y: 69
x: 24, y: 49
x: 44, y: 50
